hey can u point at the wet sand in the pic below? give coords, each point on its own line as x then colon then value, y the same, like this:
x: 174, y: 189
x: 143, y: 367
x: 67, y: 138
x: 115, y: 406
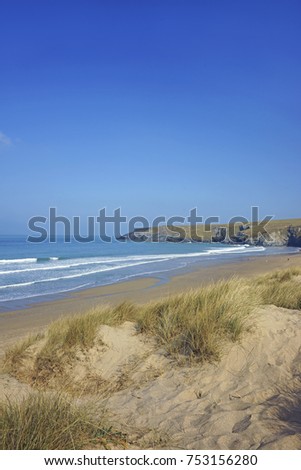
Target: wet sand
x: 19, y: 323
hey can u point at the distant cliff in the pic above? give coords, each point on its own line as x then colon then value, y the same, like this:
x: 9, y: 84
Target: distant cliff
x: 276, y: 233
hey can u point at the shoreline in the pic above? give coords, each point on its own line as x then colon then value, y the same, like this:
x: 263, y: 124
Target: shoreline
x: 16, y: 324
x: 163, y: 277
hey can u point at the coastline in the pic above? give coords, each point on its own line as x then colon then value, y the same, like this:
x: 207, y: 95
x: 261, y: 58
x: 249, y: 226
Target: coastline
x: 17, y: 324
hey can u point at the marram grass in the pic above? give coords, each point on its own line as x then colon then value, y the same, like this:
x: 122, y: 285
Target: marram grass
x: 197, y: 323
x: 192, y: 325
x: 44, y: 421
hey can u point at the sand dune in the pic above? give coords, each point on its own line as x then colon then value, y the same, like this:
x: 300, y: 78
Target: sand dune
x: 249, y: 400
x: 246, y: 401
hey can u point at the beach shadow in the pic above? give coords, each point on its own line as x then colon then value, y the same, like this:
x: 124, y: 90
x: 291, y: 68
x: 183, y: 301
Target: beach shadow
x: 288, y: 409
x: 282, y: 413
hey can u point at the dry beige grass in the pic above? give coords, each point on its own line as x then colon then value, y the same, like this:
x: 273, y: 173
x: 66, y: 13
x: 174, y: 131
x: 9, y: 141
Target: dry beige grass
x: 281, y: 288
x: 46, y: 422
x: 15, y: 356
x: 196, y: 324
x: 193, y: 325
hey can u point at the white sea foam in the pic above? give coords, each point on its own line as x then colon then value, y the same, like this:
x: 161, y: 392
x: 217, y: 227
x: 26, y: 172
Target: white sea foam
x: 22, y: 260
x: 21, y: 284
x: 147, y: 260
x: 73, y: 276
x: 66, y: 264
x: 45, y: 293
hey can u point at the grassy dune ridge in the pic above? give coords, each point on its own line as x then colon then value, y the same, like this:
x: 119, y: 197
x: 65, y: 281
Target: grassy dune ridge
x: 192, y: 326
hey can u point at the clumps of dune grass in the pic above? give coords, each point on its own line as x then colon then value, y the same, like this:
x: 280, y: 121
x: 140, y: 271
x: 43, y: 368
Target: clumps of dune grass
x: 50, y: 422
x: 280, y: 275
x: 80, y: 330
x: 15, y: 355
x: 57, y: 348
x: 193, y: 325
x: 281, y: 288
x: 197, y: 324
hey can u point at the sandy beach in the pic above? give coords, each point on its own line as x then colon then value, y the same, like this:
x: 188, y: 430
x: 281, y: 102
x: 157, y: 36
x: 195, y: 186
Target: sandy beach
x: 19, y: 323
x: 247, y: 398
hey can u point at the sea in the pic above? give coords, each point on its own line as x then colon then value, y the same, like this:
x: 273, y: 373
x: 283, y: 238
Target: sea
x: 36, y: 272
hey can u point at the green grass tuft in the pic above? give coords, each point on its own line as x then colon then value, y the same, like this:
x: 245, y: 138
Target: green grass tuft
x: 49, y: 422
x: 199, y: 322
x: 281, y: 288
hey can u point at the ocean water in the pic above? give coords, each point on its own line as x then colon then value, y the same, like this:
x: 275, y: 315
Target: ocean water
x: 41, y: 271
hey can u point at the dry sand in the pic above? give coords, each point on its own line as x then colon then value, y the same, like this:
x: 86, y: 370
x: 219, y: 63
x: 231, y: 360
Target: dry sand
x: 249, y: 400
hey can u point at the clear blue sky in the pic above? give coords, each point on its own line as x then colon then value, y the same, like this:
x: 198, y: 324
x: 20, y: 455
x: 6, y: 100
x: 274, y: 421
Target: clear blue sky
x: 156, y: 106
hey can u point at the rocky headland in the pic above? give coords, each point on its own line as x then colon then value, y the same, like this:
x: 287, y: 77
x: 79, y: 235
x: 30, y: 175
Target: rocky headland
x: 275, y: 233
